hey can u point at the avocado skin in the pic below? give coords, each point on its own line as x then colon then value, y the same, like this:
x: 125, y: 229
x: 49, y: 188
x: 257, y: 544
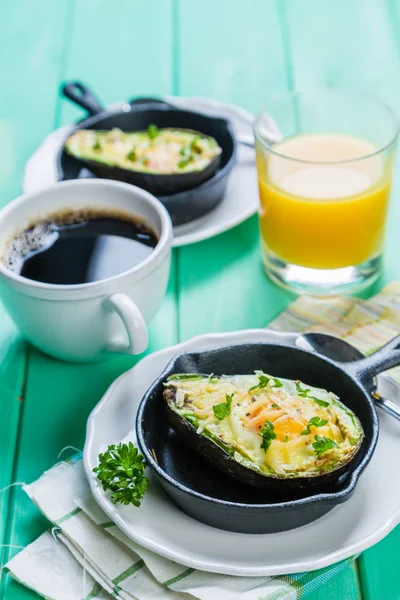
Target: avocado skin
x: 219, y: 458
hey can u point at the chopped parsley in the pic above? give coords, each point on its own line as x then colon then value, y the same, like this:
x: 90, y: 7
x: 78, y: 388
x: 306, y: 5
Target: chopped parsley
x: 275, y: 406
x: 305, y: 393
x: 194, y: 146
x: 183, y: 163
x: 264, y: 380
x: 277, y: 382
x: 223, y: 409
x: 286, y: 438
x: 97, y: 146
x: 320, y: 402
x: 152, y: 131
x: 268, y: 434
x: 131, y: 155
x: 323, y: 444
x: 316, y: 422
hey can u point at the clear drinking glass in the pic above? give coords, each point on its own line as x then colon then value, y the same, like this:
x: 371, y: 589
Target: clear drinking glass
x: 325, y: 164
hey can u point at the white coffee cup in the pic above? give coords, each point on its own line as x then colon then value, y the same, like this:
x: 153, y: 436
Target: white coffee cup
x: 87, y: 322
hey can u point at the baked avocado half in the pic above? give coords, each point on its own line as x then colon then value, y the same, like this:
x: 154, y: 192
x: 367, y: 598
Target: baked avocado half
x: 263, y: 430
x: 154, y: 151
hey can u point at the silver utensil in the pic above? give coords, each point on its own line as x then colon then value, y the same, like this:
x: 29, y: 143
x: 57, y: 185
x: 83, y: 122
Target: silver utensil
x: 341, y: 351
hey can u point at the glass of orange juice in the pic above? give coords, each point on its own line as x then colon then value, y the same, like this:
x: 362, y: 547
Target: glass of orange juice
x: 325, y: 163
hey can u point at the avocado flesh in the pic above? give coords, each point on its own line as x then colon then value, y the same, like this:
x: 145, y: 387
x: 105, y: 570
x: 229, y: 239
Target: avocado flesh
x: 169, y: 151
x: 234, y: 443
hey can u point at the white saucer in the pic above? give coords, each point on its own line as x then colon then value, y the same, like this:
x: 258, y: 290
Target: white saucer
x: 371, y: 513
x: 241, y: 197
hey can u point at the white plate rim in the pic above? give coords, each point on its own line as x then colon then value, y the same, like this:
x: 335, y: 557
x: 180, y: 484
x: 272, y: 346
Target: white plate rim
x: 284, y: 568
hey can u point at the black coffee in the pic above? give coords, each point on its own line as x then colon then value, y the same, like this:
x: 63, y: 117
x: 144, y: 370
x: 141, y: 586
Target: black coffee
x: 80, y: 247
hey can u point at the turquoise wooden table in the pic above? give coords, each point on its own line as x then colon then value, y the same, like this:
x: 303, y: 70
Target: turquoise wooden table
x: 241, y: 51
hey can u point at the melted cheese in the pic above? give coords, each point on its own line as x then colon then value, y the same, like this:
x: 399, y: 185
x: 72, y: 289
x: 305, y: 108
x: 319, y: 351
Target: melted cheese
x: 170, y: 151
x: 291, y: 452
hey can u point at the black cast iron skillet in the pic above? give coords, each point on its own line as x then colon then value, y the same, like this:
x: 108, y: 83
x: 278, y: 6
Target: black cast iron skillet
x: 186, y: 196
x: 215, y: 498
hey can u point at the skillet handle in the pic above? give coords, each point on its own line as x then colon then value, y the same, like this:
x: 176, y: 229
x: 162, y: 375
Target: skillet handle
x: 79, y: 94
x: 383, y: 359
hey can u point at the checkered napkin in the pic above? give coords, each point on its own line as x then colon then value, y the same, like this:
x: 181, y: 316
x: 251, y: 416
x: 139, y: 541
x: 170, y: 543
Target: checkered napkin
x: 86, y: 556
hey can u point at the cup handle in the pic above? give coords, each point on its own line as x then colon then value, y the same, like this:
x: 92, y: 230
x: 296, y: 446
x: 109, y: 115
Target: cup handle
x: 133, y: 321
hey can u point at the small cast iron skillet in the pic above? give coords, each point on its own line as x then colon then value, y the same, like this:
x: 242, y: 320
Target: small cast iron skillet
x: 215, y: 498
x: 186, y: 196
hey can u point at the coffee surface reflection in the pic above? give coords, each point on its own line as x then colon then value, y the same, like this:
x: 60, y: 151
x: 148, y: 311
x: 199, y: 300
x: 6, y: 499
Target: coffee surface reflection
x: 77, y: 247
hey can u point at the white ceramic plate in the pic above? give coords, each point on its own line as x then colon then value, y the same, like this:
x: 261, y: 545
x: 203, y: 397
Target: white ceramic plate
x: 159, y: 525
x: 241, y: 197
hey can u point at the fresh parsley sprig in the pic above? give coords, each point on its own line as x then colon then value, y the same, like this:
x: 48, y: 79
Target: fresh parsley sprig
x: 223, y: 409
x: 268, y: 434
x: 264, y: 380
x: 323, y: 444
x: 305, y: 393
x: 121, y: 470
x: 316, y: 422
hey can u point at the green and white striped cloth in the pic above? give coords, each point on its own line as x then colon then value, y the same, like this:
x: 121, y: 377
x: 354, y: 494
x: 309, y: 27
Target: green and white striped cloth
x: 86, y: 556
x: 366, y: 324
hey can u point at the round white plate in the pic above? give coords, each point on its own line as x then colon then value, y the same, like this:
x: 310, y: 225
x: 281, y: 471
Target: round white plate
x: 241, y: 196
x: 159, y: 525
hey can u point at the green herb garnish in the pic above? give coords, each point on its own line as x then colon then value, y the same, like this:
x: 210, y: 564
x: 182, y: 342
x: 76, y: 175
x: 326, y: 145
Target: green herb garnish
x: 223, y: 409
x: 96, y: 146
x: 263, y: 381
x: 152, y: 131
x: 194, y: 146
x: 320, y: 402
x: 131, y: 155
x: 183, y: 163
x: 316, y: 422
x: 323, y: 444
x: 268, y: 434
x: 275, y: 406
x: 286, y: 438
x: 305, y: 393
x: 121, y: 470
x: 277, y: 382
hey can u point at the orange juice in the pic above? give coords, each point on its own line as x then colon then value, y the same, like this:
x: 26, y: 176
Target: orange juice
x: 322, y: 204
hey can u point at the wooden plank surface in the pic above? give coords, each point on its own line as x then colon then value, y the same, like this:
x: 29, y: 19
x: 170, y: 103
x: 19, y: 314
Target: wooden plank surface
x: 58, y: 395
x: 240, y: 52
x: 243, y: 67
x: 31, y: 53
